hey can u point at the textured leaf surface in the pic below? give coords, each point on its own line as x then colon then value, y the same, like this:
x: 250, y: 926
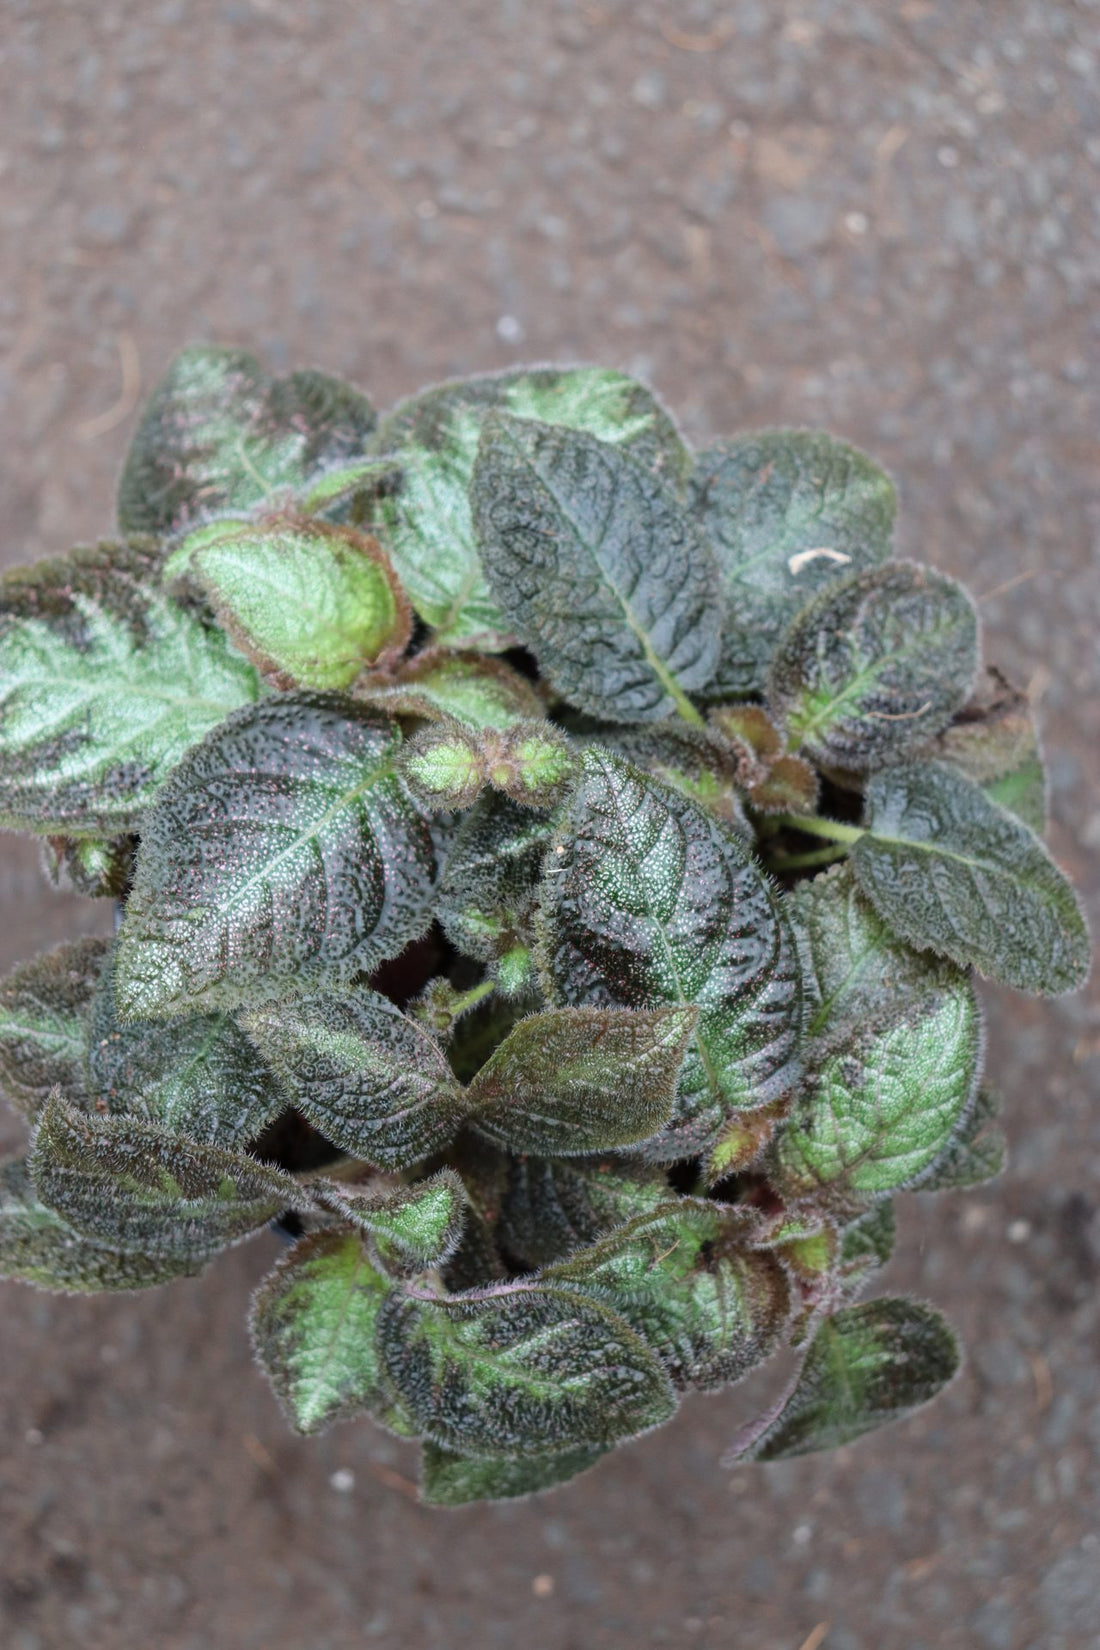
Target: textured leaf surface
x: 36, y: 1246
x: 576, y: 1080
x: 521, y: 1369
x: 412, y: 1227
x: 950, y: 870
x: 313, y: 1321
x: 219, y: 435
x: 866, y: 1244
x: 681, y: 1276
x: 469, y: 687
x: 884, y: 1107
x: 198, y: 1075
x: 94, y: 868
x: 426, y: 521
x: 450, y: 1480
x: 133, y: 1186
x: 284, y: 853
x: 443, y: 766
x: 105, y: 682
x: 490, y: 882
x: 313, y: 603
x: 553, y: 1206
x: 787, y: 511
x: 977, y: 1152
x: 363, y: 1073
x: 43, y: 1008
x: 597, y: 568
x: 702, y: 768
x: 994, y: 741
x: 647, y: 899
x: 875, y: 665
x: 867, y: 1365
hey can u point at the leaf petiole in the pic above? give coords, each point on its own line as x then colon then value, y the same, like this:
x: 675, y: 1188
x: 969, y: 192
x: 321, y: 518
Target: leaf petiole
x: 831, y: 829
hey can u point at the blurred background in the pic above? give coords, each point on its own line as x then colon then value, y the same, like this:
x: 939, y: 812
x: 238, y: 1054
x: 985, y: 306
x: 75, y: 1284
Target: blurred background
x: 880, y: 218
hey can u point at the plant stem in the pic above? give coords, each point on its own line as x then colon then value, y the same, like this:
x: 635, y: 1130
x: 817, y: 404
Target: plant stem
x: 818, y: 856
x: 470, y: 999
x: 831, y: 829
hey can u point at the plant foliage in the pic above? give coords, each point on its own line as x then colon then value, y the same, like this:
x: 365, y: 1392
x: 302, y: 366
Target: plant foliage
x: 469, y: 783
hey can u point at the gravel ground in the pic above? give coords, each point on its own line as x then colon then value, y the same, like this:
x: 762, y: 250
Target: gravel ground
x: 881, y: 218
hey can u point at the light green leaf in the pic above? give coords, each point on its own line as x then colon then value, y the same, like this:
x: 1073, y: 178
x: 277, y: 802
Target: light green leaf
x: 948, y: 869
x: 520, y: 1369
x: 363, y: 1073
x: 867, y: 1365
x: 284, y: 854
x: 467, y: 687
x: 411, y: 1227
x: 598, y: 569
x: 105, y: 683
x: 788, y: 512
x: 577, y: 1080
x: 219, y: 435
x: 552, y: 1206
x: 443, y: 766
x: 425, y: 522
x: 44, y: 1005
x: 312, y: 1322
x: 875, y: 665
x: 450, y: 1480
x: 646, y: 900
x: 313, y: 604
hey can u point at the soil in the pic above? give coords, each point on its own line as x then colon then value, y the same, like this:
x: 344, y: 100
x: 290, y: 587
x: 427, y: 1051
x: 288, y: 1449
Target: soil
x: 877, y: 217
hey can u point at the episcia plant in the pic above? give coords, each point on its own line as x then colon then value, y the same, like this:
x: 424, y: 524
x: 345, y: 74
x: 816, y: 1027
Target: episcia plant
x: 551, y: 870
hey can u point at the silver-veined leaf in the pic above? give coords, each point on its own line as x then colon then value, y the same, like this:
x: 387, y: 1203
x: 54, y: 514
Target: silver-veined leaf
x: 490, y: 882
x: 44, y: 1006
x: 552, y: 1206
x: 411, y: 1227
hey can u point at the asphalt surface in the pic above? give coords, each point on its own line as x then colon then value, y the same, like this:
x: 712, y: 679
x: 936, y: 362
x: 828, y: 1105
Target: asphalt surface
x: 881, y: 218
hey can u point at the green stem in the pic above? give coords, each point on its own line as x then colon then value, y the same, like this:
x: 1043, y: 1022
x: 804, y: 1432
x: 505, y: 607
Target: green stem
x: 798, y: 862
x: 688, y: 711
x: 831, y: 829
x: 470, y: 999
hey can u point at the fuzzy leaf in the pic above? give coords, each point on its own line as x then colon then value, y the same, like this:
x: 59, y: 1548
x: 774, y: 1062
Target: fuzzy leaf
x: 532, y: 762
x: 682, y: 1277
x: 521, y: 1369
x: 578, y: 1080
x: 993, y: 740
x: 875, y: 665
x: 312, y: 603
x: 867, y: 1365
x: 553, y: 1206
x: 199, y: 1075
x: 648, y: 900
x: 949, y: 870
x: 790, y: 786
x: 464, y: 687
x: 788, y: 512
x: 866, y: 1245
x: 597, y: 568
x: 976, y: 1153
x: 219, y: 435
x: 363, y: 1073
x: 313, y: 1321
x: 450, y: 1480
x: 412, y: 1227
x: 884, y: 1106
x: 133, y: 1186
x: 490, y: 881
x: 856, y: 970
x: 284, y: 854
x: 105, y: 683
x: 94, y: 868
x: 443, y: 766
x: 692, y: 761
x: 425, y: 522
x: 43, y: 1008
x: 37, y: 1247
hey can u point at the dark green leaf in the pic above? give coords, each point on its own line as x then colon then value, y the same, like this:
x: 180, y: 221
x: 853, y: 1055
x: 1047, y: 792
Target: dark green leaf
x: 649, y: 900
x: 875, y: 665
x: 787, y: 511
x: 683, y: 1277
x: 450, y: 1480
x: 134, y: 1186
x: 520, y: 1369
x: 702, y: 768
x: 993, y: 740
x: 948, y: 869
x: 43, y: 1009
x: 219, y: 435
x: 311, y: 603
x: 412, y: 1227
x: 313, y: 1321
x: 426, y: 520
x: 553, y: 1206
x: 597, y: 568
x: 465, y: 687
x: 867, y: 1365
x: 37, y: 1247
x: 490, y: 881
x: 576, y: 1080
x: 866, y: 1245
x: 884, y: 1105
x: 977, y: 1152
x: 363, y: 1073
x: 105, y: 682
x: 284, y: 853
x: 199, y: 1075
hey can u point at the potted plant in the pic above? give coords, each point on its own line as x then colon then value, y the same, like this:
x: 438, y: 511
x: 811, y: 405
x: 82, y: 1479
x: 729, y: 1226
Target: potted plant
x: 552, y: 870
